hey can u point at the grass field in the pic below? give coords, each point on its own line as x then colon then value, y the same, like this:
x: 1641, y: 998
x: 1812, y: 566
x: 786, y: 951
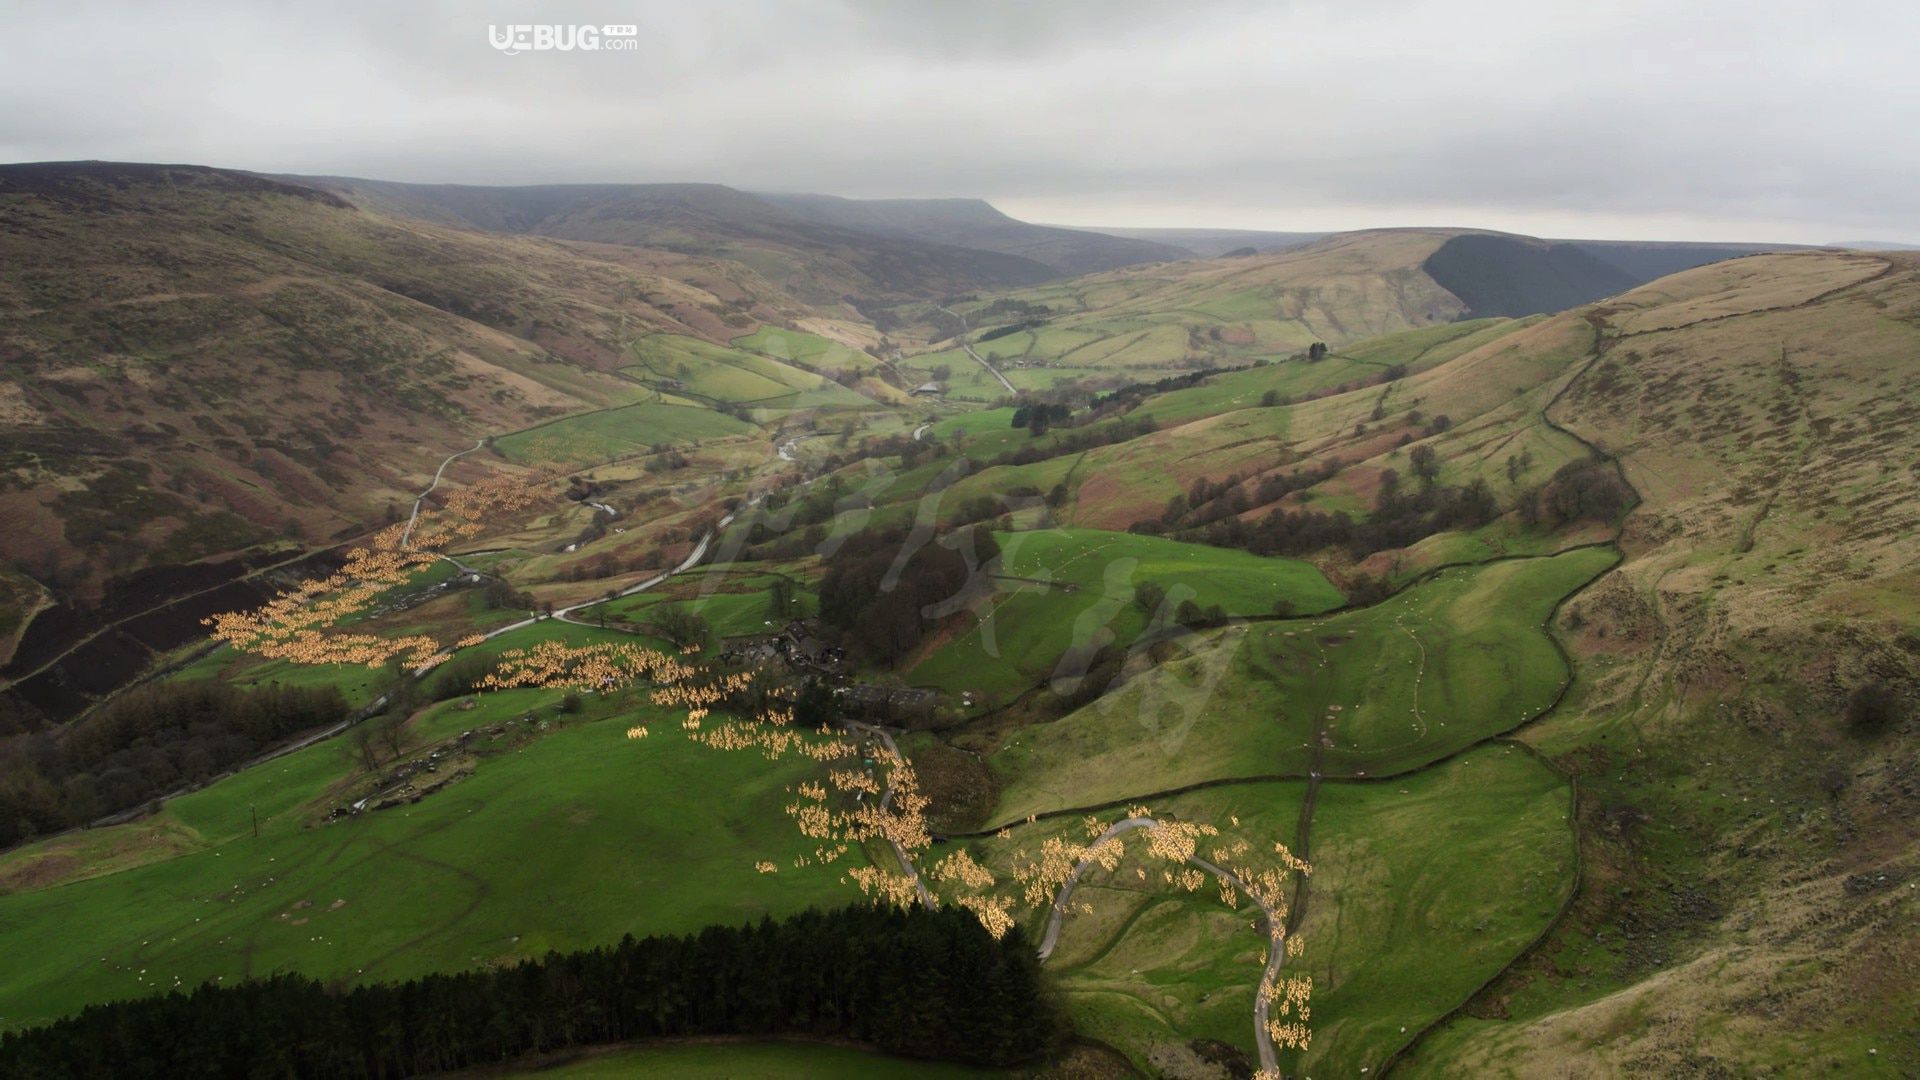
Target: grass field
x: 1422, y: 888
x: 810, y: 349
x: 980, y: 422
x: 1414, y: 350
x: 1062, y: 588
x: 567, y: 841
x: 1152, y: 964
x: 1437, y: 668
x: 715, y: 371
x: 358, y: 683
x: 595, y: 437
x: 732, y: 603
x: 282, y: 795
x: 742, y: 1061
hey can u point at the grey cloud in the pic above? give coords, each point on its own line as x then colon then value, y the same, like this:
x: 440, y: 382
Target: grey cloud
x: 1711, y: 120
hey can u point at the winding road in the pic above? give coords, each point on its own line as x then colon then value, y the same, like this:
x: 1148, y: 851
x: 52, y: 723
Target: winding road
x: 991, y: 370
x: 906, y: 861
x: 693, y: 559
x: 407, y: 535
x: 1276, y: 954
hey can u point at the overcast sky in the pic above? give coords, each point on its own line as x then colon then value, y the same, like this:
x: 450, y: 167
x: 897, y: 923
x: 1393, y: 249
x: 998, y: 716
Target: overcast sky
x: 1682, y: 119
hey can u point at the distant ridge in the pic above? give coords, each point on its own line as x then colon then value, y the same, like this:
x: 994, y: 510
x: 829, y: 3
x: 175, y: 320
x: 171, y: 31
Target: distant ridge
x: 821, y: 262
x: 1645, y: 260
x: 1211, y: 243
x: 88, y: 182
x: 1497, y: 274
x: 975, y: 223
x: 1505, y: 274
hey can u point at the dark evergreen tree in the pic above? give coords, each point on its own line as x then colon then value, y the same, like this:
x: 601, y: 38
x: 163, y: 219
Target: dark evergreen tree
x: 929, y: 984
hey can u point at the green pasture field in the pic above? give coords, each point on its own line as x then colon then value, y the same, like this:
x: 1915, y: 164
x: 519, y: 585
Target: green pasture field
x: 983, y: 422
x: 1079, y: 589
x: 613, y: 433
x: 1447, y: 663
x: 733, y: 603
x: 810, y: 349
x: 1422, y: 887
x: 569, y: 841
x: 716, y: 371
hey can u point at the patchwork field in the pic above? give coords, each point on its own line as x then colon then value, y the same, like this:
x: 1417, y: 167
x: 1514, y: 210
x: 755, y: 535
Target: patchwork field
x: 1423, y: 887
x: 597, y: 437
x: 1068, y: 589
x: 812, y: 350
x: 733, y: 602
x: 1296, y: 378
x: 1633, y: 784
x: 1218, y: 312
x: 676, y: 364
x: 1371, y: 692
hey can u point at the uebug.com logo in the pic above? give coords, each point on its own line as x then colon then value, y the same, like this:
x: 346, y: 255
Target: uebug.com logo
x: 516, y: 38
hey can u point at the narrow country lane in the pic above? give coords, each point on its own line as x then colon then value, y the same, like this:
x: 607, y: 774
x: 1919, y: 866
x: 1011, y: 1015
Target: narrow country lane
x: 991, y: 370
x: 407, y: 534
x: 1276, y: 952
x: 886, y: 798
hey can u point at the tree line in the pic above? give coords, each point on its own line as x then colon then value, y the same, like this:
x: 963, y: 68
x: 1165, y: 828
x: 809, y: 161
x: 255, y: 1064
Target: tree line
x: 143, y: 744
x: 883, y: 585
x: 927, y: 984
x: 1217, y: 512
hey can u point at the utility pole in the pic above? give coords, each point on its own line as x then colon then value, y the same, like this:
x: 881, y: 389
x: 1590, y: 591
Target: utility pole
x: 255, y: 814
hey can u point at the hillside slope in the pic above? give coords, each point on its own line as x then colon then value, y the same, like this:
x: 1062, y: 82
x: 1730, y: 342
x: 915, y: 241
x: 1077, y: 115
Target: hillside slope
x: 1751, y: 837
x: 1510, y: 275
x: 272, y: 353
x: 1747, y: 825
x: 1644, y: 260
x: 1543, y: 638
x: 200, y: 364
x: 1140, y: 323
x: 1740, y: 732
x: 819, y: 261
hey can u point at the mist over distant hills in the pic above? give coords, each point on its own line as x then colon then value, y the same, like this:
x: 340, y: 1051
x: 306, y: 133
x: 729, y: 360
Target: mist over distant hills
x: 894, y: 248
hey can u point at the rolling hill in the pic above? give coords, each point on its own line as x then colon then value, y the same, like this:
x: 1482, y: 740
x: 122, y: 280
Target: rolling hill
x: 207, y: 373
x: 1644, y: 260
x: 163, y: 311
x: 1764, y: 411
x: 1139, y: 323
x: 1577, y: 650
x: 1719, y: 661
x: 820, y: 260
